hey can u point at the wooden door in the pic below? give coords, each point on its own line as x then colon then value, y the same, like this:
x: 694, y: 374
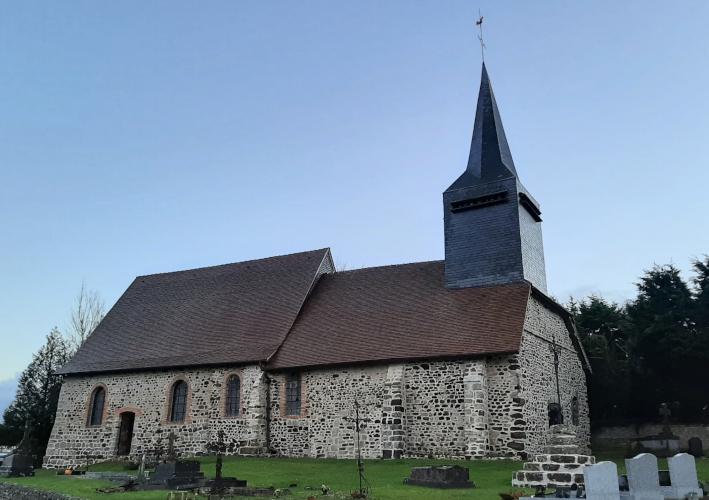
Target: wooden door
x: 125, y: 433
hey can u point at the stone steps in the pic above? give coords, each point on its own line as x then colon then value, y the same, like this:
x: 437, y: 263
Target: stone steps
x: 564, y: 459
x: 531, y: 479
x: 560, y: 439
x: 563, y: 449
x: 550, y: 467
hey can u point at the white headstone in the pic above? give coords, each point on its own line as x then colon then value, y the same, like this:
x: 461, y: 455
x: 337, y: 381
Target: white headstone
x: 601, y: 481
x: 643, y: 477
x: 683, y: 476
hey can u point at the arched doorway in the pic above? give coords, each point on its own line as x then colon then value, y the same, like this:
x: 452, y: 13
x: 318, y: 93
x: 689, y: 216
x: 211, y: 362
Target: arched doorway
x: 125, y: 433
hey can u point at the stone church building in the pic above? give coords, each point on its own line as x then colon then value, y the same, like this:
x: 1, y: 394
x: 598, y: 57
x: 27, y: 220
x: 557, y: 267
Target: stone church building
x: 467, y: 357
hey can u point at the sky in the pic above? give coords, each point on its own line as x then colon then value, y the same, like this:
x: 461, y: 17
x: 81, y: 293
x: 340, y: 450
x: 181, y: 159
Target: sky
x: 141, y: 137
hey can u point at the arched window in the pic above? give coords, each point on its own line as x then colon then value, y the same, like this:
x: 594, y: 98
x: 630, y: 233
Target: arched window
x: 233, y: 396
x: 179, y: 401
x: 98, y: 401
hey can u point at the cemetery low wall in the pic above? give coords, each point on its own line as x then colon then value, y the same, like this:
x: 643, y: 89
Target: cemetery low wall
x: 620, y: 436
x: 9, y: 491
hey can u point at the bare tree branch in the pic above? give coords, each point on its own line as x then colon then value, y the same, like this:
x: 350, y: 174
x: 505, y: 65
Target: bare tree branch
x: 87, y: 313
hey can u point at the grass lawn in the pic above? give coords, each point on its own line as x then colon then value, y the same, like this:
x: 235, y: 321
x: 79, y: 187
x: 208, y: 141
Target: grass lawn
x: 385, y: 478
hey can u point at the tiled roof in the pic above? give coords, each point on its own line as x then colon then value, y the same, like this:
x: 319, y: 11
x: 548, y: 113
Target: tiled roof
x: 235, y: 313
x: 399, y: 313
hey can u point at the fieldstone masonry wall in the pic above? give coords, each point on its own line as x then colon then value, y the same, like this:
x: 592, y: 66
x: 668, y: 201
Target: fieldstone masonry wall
x: 538, y: 383
x: 487, y: 407
x: 146, y: 394
x: 508, y: 429
x: 326, y: 426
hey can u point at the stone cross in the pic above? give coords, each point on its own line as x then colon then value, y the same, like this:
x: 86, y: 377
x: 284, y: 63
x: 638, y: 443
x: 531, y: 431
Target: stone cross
x: 25, y: 446
x: 141, y: 469
x: 601, y: 481
x: 683, y: 476
x: 643, y: 477
x: 171, y: 456
x: 220, y: 449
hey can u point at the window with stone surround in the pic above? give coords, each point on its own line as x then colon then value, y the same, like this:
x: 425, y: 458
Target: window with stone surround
x: 233, y: 396
x: 293, y: 389
x: 98, y: 402
x: 178, y: 408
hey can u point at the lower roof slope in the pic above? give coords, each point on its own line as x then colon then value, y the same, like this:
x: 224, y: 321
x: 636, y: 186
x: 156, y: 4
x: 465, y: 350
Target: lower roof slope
x: 402, y: 312
x: 234, y: 313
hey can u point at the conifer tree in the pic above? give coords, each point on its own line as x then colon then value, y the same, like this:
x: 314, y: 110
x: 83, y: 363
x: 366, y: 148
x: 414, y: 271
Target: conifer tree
x: 38, y: 393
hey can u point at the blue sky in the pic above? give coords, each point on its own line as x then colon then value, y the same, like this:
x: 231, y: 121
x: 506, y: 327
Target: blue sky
x: 140, y: 137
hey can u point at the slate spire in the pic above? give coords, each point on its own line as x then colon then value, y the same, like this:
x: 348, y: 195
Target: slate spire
x: 492, y: 225
x: 490, y: 158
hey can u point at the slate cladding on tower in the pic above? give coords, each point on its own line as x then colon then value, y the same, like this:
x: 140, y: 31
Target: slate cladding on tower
x: 493, y: 232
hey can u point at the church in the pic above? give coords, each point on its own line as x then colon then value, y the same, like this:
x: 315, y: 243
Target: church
x: 466, y: 358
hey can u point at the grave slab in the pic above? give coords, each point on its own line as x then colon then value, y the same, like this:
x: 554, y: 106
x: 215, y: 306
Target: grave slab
x: 446, y: 476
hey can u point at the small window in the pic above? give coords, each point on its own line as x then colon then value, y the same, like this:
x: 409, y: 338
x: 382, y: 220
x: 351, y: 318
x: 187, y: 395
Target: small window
x: 98, y: 401
x: 293, y: 394
x: 233, y: 396
x: 179, y: 401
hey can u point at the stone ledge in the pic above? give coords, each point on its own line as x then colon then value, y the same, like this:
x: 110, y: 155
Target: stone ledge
x: 10, y: 491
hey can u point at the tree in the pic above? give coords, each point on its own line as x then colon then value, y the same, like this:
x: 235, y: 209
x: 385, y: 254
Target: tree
x: 87, y: 313
x: 38, y: 393
x: 701, y: 291
x: 602, y: 326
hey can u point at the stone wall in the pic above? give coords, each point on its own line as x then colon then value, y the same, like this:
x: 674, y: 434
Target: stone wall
x: 538, y: 381
x: 9, y: 491
x: 621, y: 436
x: 326, y: 427
x: 147, y: 394
x: 428, y: 409
x: 436, y: 405
x: 508, y: 433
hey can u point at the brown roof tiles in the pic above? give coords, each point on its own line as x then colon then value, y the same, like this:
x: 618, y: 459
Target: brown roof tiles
x: 235, y: 313
x: 402, y: 312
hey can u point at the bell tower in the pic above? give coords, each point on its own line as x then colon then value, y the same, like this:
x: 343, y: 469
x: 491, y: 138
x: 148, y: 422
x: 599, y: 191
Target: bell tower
x: 493, y: 226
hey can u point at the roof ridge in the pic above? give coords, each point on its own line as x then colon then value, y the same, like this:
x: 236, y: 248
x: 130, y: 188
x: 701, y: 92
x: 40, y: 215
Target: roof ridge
x: 250, y: 261
x: 388, y: 265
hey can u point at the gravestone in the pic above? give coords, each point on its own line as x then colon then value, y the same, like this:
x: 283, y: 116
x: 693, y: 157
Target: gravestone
x: 20, y: 462
x: 643, y: 477
x: 601, y: 481
x: 683, y: 476
x: 446, y: 476
x: 175, y: 474
x: 695, y: 447
x: 220, y: 483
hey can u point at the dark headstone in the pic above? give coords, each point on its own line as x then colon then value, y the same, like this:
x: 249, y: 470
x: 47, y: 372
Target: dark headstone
x: 16, y: 465
x: 695, y: 447
x: 446, y: 476
x: 177, y: 475
x: 20, y: 462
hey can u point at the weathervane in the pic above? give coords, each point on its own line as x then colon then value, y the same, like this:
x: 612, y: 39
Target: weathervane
x: 479, y: 24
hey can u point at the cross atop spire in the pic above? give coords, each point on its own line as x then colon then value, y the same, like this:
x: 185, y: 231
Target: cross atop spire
x: 490, y: 158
